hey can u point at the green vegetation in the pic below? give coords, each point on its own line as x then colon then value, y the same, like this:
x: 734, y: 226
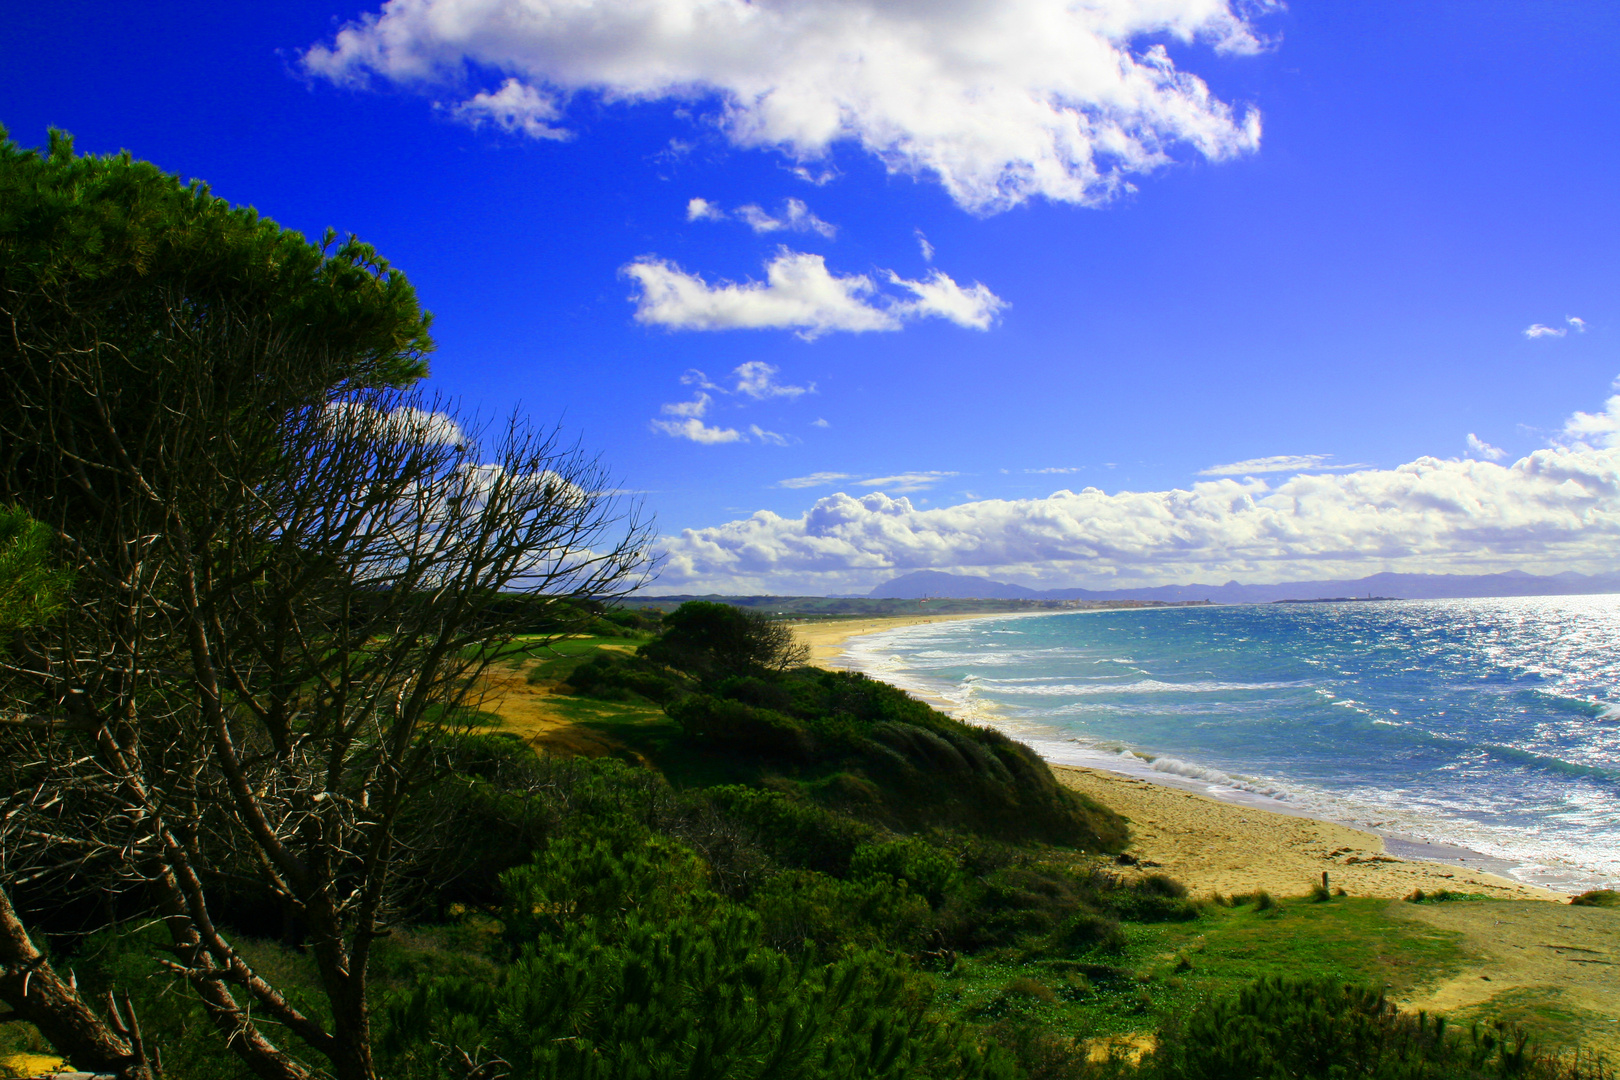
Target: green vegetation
x: 593, y: 918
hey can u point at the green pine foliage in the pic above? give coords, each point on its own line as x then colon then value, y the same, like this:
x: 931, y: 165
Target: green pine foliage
x: 32, y: 586
x: 1321, y: 1028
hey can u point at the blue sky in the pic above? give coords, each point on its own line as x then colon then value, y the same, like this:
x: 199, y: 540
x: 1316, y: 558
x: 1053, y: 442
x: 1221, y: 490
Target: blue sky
x: 1142, y: 293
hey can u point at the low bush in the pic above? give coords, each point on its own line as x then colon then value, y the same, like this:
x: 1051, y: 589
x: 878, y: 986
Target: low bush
x: 1321, y: 1028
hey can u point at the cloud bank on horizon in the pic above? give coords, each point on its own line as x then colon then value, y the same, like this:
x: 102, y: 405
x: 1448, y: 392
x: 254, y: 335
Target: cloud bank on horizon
x: 1000, y: 101
x: 1558, y: 508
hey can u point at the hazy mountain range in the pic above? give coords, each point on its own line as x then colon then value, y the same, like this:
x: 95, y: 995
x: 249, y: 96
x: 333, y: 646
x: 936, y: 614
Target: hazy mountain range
x: 929, y: 583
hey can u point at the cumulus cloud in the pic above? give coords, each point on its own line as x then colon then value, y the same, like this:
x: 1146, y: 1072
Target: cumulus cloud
x: 703, y: 210
x: 924, y: 246
x: 799, y: 293
x: 1277, y: 463
x: 1577, y: 322
x: 1556, y: 508
x: 819, y: 422
x: 515, y: 107
x: 1480, y: 448
x: 999, y: 100
x: 1584, y: 429
x: 1538, y: 330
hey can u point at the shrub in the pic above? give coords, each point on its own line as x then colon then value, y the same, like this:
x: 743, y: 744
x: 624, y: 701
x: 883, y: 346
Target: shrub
x: 1321, y: 1028
x: 1154, y: 898
x: 1087, y: 932
x: 928, y: 871
x: 801, y: 907
x: 798, y: 834
x: 737, y: 726
x: 1597, y: 898
x: 666, y: 1001
x: 614, y: 676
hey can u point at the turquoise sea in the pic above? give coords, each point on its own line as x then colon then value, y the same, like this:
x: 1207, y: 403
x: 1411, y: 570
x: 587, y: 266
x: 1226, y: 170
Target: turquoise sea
x: 1490, y: 725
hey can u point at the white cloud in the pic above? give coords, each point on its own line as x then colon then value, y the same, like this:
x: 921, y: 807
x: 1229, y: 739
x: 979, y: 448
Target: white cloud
x: 924, y: 246
x: 1058, y: 469
x: 794, y: 216
x: 1000, y: 100
x: 937, y: 294
x: 514, y: 107
x: 820, y: 479
x: 1583, y: 429
x: 901, y: 482
x: 703, y: 210
x: 1480, y: 448
x: 1275, y: 464
x: 1577, y: 322
x: 698, y: 406
x: 906, y: 482
x: 799, y: 293
x: 1555, y: 509
x: 819, y: 422
x: 696, y: 430
x: 1537, y: 330
x: 757, y: 379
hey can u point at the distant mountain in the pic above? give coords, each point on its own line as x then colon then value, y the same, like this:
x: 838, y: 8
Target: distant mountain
x: 928, y: 583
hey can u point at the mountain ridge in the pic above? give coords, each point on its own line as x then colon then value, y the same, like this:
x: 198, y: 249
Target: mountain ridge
x: 930, y: 583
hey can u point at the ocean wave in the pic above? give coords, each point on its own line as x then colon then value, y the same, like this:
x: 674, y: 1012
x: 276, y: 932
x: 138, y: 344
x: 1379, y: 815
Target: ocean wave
x: 1141, y: 686
x: 1551, y: 764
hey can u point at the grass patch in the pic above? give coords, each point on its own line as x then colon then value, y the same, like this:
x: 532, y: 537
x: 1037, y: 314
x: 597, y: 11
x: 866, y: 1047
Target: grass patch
x: 1167, y: 969
x: 1559, y: 1024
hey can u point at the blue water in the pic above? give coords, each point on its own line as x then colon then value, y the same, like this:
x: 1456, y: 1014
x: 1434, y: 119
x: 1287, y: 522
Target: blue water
x: 1488, y: 724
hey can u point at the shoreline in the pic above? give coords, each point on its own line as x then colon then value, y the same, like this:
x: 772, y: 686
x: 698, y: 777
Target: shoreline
x: 1220, y: 845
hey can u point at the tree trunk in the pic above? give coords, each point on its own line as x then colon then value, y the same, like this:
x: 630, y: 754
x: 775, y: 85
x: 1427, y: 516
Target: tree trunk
x: 38, y: 995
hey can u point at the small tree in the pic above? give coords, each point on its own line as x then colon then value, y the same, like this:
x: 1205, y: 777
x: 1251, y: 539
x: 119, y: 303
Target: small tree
x: 286, y: 584
x: 714, y: 641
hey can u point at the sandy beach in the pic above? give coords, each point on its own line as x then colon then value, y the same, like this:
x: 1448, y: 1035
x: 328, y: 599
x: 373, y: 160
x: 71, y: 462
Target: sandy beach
x: 1215, y: 846
x: 826, y: 639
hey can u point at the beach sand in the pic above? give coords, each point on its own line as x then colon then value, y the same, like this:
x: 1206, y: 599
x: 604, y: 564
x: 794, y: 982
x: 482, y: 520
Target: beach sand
x: 826, y: 639
x: 1210, y: 845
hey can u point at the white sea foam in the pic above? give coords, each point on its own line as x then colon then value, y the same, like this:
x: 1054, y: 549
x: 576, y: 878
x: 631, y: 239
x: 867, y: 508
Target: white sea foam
x: 1141, y: 686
